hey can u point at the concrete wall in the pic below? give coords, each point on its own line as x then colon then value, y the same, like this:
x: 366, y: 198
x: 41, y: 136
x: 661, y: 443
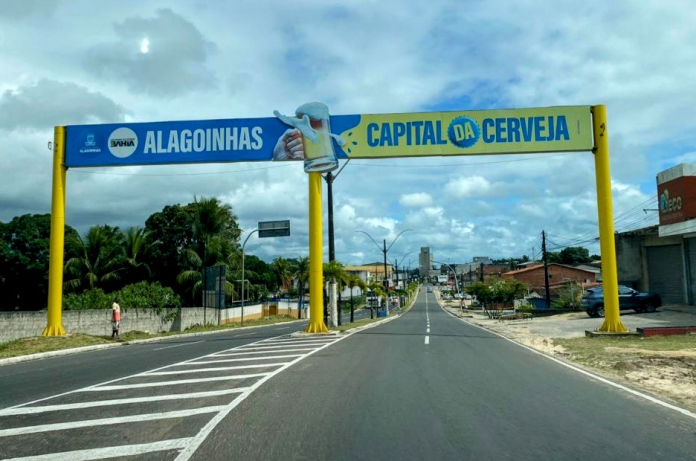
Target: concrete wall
x: 629, y: 261
x: 16, y: 325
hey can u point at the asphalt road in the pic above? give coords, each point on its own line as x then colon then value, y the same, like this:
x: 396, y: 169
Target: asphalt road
x: 397, y: 391
x: 422, y: 386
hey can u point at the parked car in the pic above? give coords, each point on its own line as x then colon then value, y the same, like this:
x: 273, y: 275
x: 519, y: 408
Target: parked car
x: 593, y: 301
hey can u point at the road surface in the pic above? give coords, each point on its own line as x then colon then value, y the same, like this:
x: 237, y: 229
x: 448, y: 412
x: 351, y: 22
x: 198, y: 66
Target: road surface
x: 423, y: 386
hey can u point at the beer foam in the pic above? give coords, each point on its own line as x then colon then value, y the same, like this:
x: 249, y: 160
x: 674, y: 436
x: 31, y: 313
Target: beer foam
x: 305, y: 113
x: 314, y: 110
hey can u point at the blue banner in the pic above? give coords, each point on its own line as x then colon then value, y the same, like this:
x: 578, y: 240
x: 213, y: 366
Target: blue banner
x: 198, y: 141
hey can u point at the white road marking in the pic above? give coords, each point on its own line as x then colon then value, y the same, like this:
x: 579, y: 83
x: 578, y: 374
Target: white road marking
x: 110, y: 452
x: 109, y: 421
x: 271, y: 347
x: 176, y: 345
x: 427, y: 340
x: 683, y: 411
x: 244, y: 359
x: 229, y: 354
x: 201, y: 370
x: 203, y: 434
x: 287, y: 340
x: 173, y: 383
x: 189, y: 445
x: 106, y: 403
x: 428, y: 330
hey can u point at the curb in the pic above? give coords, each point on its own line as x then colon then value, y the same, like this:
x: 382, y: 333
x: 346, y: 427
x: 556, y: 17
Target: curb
x: 77, y: 350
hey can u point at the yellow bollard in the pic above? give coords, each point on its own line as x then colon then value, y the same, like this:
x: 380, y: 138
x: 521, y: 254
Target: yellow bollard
x: 316, y: 272
x: 612, y: 321
x: 54, y: 326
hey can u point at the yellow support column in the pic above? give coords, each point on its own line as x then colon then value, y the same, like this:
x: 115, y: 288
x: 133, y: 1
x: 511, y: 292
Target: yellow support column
x: 54, y: 325
x: 612, y: 321
x: 316, y: 272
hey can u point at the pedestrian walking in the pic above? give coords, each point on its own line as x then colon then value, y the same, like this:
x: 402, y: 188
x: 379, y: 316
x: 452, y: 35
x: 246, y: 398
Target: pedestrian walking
x: 115, y: 319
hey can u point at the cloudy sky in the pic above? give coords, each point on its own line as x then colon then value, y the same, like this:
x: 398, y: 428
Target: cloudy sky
x: 77, y: 62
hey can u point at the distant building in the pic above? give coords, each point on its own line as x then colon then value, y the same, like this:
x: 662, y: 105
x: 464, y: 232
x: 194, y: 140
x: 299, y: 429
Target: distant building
x: 425, y: 262
x: 558, y: 273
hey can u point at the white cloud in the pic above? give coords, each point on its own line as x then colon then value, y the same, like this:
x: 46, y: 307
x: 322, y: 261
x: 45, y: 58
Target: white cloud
x: 418, y: 199
x: 407, y: 57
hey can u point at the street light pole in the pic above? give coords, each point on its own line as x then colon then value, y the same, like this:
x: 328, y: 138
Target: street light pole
x: 456, y: 285
x: 329, y: 178
x: 243, y: 245
x: 385, y: 249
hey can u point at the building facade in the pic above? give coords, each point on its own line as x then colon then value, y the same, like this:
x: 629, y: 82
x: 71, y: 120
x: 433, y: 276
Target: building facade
x: 558, y: 273
x: 425, y: 262
x: 662, y: 258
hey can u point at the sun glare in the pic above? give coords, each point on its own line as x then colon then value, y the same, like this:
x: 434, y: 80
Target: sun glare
x: 145, y: 45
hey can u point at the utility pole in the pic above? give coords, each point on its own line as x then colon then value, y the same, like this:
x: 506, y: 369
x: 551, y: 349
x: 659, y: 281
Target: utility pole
x: 386, y: 282
x: 546, y: 269
x: 329, y: 178
x: 332, y: 249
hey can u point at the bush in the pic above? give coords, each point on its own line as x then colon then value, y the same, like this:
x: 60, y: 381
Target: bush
x: 147, y: 296
x: 90, y: 299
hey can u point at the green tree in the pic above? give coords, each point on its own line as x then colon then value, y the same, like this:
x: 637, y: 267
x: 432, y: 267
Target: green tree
x: 215, y: 240
x: 215, y: 230
x: 281, y: 268
x: 171, y: 232
x: 575, y: 255
x: 24, y: 260
x: 99, y: 262
x: 300, y: 271
x: 135, y: 242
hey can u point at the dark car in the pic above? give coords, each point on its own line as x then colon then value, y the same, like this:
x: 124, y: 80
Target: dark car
x: 593, y: 301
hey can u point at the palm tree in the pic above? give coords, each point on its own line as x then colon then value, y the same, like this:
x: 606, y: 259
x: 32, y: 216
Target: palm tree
x: 336, y: 273
x: 135, y: 242
x: 300, y: 271
x: 378, y: 289
x: 216, y: 237
x: 281, y: 269
x: 214, y: 224
x: 100, y: 258
x: 354, y: 281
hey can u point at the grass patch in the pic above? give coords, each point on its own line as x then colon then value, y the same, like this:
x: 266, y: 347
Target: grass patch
x: 37, y: 344
x: 620, y: 354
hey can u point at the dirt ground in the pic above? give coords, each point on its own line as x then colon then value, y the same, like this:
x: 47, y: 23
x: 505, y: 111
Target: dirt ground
x: 636, y: 362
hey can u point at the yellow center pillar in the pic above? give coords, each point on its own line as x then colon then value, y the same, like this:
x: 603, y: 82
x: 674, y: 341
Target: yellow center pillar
x: 316, y: 273
x: 612, y: 321
x: 54, y: 325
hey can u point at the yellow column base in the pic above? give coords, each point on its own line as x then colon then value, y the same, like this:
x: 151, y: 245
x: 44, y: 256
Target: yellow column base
x: 317, y: 327
x: 613, y: 327
x: 54, y: 330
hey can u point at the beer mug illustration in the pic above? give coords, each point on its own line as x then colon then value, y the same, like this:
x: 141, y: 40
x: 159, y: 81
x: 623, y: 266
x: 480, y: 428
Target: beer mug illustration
x: 312, y: 120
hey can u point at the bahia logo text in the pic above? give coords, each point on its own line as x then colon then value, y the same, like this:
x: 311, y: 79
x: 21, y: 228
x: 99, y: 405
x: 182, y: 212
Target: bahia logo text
x: 123, y: 142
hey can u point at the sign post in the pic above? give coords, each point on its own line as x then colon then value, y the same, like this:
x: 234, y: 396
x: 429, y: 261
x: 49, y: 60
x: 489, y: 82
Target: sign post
x: 266, y: 229
x: 320, y: 140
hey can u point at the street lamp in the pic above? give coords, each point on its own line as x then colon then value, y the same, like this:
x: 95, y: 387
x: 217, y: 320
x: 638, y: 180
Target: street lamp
x: 456, y: 285
x: 243, y: 245
x: 396, y: 263
x: 384, y: 250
